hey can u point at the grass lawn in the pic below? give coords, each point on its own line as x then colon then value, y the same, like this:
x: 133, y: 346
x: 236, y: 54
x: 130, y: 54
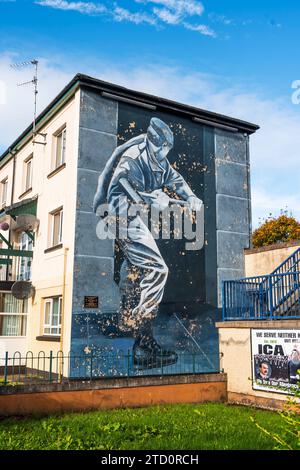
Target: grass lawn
x: 186, y: 427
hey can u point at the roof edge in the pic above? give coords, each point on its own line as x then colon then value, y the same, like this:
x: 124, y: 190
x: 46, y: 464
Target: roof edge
x: 145, y: 98
x: 192, y: 111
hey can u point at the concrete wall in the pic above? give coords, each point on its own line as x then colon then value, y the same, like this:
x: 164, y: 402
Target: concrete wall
x: 225, y: 164
x: 264, y: 260
x: 233, y: 204
x: 119, y: 393
x: 235, y: 350
x: 94, y: 260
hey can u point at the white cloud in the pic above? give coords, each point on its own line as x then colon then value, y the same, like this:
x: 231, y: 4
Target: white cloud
x: 274, y: 149
x: 176, y: 16
x: 221, y: 19
x: 87, y: 8
x: 92, y: 8
x: 121, y: 14
x: 116, y: 13
x: 166, y: 15
x: 182, y: 7
x: 175, y: 12
x: 172, y: 12
x: 2, y: 92
x: 266, y: 203
x: 201, y: 28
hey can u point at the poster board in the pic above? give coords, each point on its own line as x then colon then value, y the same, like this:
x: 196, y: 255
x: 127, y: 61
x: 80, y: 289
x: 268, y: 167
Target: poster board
x: 275, y: 360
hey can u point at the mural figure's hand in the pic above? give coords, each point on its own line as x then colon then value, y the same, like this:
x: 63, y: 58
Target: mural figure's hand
x: 160, y: 199
x: 195, y: 203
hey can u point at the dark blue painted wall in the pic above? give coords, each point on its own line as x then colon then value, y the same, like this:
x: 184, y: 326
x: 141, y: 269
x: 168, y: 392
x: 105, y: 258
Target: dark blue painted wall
x: 215, y: 163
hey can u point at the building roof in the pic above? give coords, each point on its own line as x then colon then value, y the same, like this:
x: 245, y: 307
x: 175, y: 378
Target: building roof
x: 135, y: 97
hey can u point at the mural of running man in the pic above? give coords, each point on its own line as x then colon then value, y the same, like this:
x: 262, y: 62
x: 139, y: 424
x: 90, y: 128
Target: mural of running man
x: 141, y: 166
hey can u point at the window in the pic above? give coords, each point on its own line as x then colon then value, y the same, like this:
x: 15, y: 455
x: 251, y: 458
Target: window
x: 4, y: 187
x: 13, y: 318
x: 28, y: 173
x: 24, y: 263
x: 13, y: 325
x: 52, y: 316
x: 3, y: 268
x: 60, y: 150
x: 56, y: 227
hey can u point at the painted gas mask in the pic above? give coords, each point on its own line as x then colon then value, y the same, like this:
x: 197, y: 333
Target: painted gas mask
x: 160, y: 139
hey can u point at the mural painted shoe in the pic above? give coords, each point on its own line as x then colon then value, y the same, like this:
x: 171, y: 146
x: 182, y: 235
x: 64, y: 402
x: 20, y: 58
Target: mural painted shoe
x: 149, y: 355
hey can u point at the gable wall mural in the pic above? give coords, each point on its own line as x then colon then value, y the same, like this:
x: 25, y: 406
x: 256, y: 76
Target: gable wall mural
x: 153, y: 221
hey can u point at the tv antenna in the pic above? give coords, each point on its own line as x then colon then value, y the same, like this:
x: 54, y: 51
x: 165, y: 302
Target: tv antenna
x: 33, y: 82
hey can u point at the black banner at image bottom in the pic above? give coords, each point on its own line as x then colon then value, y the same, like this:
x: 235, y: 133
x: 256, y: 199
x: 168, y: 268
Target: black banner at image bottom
x: 135, y: 458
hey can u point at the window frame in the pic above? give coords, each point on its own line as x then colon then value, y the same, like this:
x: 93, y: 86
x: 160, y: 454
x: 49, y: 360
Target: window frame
x: 54, y: 213
x: 27, y: 184
x: 59, y: 157
x: 24, y: 271
x: 50, y: 326
x: 13, y: 308
x: 4, y: 190
x: 23, y: 324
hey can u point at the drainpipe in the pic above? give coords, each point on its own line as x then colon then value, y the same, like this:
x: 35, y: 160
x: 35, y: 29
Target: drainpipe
x: 12, y: 152
x: 13, y: 177
x: 63, y: 310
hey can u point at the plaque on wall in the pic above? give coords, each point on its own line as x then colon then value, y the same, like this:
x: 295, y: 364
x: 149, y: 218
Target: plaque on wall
x: 91, y: 301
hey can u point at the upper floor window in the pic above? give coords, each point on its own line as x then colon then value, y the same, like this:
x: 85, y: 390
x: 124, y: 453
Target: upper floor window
x: 4, y: 188
x: 60, y: 148
x: 56, y: 227
x: 28, y: 173
x: 24, y: 263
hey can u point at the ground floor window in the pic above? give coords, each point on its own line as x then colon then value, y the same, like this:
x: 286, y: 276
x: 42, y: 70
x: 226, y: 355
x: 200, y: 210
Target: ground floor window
x: 13, y: 325
x: 52, y: 317
x: 13, y: 315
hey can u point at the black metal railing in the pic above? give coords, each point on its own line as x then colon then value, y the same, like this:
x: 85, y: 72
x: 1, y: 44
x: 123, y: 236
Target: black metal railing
x: 47, y: 368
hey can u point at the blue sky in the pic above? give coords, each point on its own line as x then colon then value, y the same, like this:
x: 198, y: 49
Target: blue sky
x: 235, y: 57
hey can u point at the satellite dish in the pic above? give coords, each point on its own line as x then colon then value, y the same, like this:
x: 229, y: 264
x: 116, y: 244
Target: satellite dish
x: 27, y: 222
x: 22, y: 290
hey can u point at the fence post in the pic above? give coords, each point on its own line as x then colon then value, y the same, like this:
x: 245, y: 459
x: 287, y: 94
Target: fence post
x: 61, y: 368
x: 261, y: 300
x: 50, y: 366
x: 91, y: 370
x: 271, y: 296
x: 194, y: 363
x: 6, y: 368
x: 128, y: 363
x: 295, y: 270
